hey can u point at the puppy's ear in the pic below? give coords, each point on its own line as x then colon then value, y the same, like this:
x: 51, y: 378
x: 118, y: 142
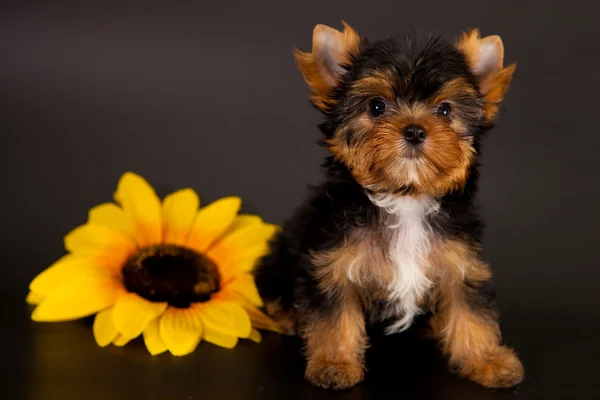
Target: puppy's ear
x: 323, y: 67
x: 485, y: 57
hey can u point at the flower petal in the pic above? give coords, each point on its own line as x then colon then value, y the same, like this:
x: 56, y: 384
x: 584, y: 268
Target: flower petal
x: 242, y: 320
x: 109, y: 246
x: 244, y: 285
x: 248, y: 236
x: 239, y: 251
x: 132, y: 313
x: 78, y: 298
x: 154, y: 343
x: 179, y: 210
x: 121, y: 340
x: 220, y: 339
x: 34, y: 298
x: 212, y: 221
x: 243, y: 220
x: 142, y: 206
x: 260, y: 320
x: 255, y: 336
x: 112, y: 216
x: 62, y: 271
x: 105, y: 330
x: 181, y: 330
x: 225, y: 317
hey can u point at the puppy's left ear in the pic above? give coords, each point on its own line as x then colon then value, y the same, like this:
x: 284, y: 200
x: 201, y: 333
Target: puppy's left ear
x: 323, y: 67
x: 485, y: 57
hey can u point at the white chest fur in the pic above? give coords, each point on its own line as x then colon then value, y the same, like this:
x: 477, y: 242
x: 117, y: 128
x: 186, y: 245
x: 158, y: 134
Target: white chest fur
x: 409, y: 242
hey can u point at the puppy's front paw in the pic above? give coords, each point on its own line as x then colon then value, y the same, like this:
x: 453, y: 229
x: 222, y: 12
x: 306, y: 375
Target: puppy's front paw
x: 339, y: 374
x: 500, y: 369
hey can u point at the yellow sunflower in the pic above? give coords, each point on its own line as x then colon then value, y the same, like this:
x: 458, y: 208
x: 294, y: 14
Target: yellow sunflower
x: 169, y: 271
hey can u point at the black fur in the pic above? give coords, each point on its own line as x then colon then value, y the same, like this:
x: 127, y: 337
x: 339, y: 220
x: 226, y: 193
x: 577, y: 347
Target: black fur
x: 422, y: 65
x: 427, y: 62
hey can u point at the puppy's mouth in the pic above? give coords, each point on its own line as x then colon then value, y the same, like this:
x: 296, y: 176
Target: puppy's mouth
x: 408, y: 151
x: 413, y: 154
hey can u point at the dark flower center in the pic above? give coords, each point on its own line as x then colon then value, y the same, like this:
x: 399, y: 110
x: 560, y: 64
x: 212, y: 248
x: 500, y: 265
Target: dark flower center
x: 170, y: 273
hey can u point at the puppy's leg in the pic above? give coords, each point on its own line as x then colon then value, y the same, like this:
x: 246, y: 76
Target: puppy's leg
x: 465, y: 319
x: 335, y: 346
x: 334, y: 331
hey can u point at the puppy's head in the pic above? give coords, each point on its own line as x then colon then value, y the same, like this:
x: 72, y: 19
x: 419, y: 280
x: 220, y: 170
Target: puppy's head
x: 404, y: 113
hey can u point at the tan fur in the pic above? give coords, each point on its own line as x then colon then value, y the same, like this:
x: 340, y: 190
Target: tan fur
x: 357, y: 272
x: 359, y: 266
x: 312, y: 67
x: 335, y: 346
x: 494, y: 83
x: 455, y: 88
x: 471, y: 339
x: 378, y: 84
x: 380, y: 161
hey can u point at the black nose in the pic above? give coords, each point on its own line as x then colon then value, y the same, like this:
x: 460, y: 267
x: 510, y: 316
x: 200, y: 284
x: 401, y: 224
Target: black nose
x: 414, y: 134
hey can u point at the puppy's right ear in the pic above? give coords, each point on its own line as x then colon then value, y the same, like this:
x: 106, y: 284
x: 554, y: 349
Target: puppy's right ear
x: 322, y: 68
x: 485, y: 57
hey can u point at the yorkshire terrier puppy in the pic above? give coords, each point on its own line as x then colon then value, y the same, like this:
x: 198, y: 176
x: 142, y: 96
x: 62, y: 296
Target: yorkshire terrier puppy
x: 393, y: 231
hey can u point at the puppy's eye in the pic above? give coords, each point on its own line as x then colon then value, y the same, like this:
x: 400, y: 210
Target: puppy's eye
x: 377, y: 107
x: 444, y: 109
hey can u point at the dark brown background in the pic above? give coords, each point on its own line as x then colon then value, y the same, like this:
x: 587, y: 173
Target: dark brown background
x: 206, y: 95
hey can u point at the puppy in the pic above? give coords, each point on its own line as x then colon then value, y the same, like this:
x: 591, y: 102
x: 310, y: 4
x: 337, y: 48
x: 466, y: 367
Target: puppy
x: 393, y: 231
